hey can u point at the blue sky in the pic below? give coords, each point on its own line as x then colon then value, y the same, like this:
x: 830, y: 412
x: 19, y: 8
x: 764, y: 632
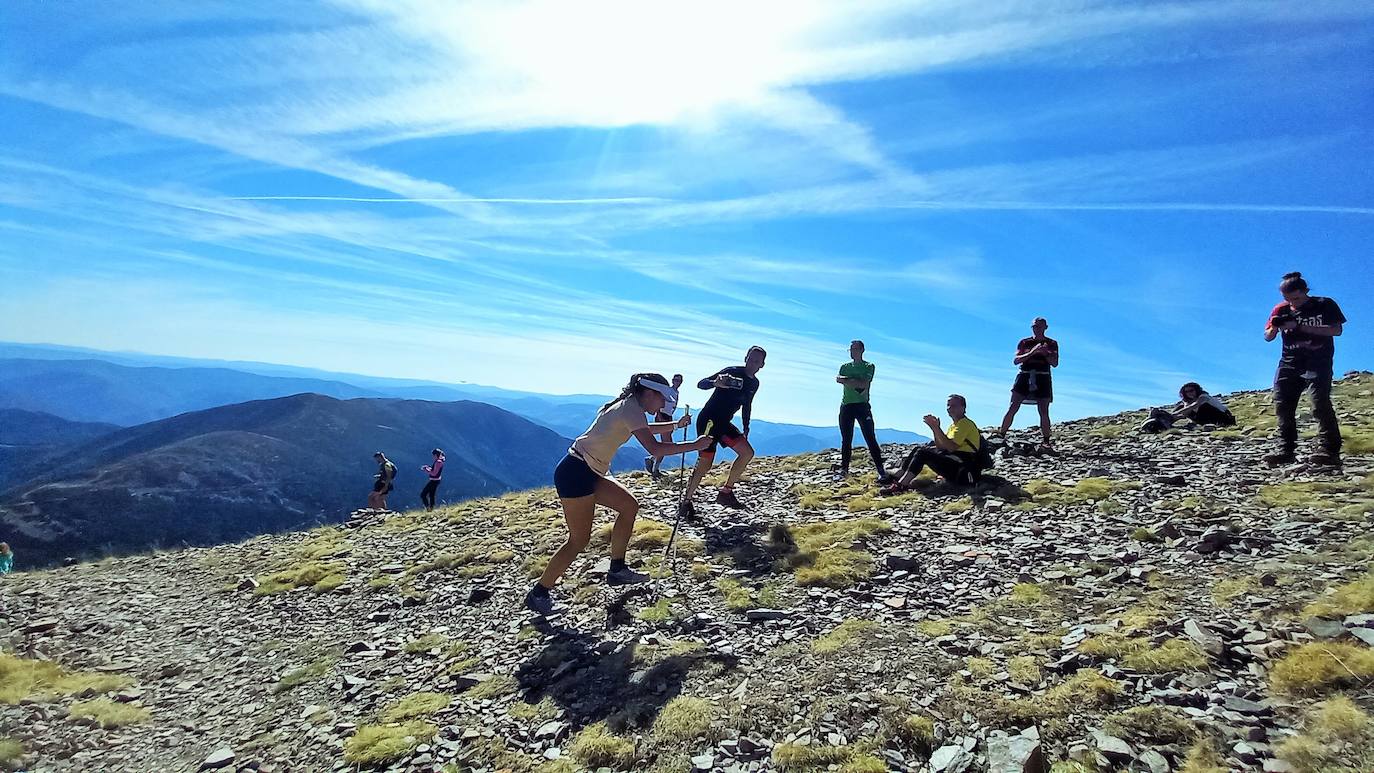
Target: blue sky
x: 549, y: 196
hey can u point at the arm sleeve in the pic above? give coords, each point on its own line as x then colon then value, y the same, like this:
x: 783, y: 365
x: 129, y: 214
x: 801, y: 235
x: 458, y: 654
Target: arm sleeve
x: 748, y: 408
x: 707, y: 383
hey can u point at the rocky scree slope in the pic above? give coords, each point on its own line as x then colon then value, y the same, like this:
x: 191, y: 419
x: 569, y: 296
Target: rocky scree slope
x: 1148, y: 604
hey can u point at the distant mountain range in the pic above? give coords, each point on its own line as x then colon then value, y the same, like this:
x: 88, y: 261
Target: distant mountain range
x: 116, y: 452
x: 123, y: 388
x: 238, y: 470
x: 27, y: 436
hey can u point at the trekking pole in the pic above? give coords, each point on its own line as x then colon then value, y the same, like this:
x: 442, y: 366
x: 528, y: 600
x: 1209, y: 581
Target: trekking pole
x: 681, y: 489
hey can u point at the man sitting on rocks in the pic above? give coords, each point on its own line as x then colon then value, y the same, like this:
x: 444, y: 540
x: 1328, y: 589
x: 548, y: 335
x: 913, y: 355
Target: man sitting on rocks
x: 1195, y: 404
x: 953, y: 454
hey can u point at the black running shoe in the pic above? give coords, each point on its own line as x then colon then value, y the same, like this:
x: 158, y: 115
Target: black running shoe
x: 1281, y: 456
x: 1325, y: 459
x: 540, y: 603
x: 626, y: 576
x: 727, y: 498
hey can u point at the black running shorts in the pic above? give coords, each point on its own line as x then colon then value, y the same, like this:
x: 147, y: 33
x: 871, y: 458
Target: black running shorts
x: 572, y: 478
x: 723, y: 432
x: 1032, y: 387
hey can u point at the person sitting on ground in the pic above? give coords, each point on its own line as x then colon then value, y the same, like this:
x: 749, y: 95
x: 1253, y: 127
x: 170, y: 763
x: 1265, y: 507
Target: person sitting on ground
x: 582, y: 481
x: 733, y: 389
x: 6, y: 558
x: 952, y: 454
x: 383, y: 482
x: 654, y: 464
x: 1194, y: 403
x: 436, y: 474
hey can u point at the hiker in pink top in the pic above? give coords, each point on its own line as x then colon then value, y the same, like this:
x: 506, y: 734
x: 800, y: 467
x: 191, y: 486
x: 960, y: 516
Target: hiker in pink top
x: 436, y: 474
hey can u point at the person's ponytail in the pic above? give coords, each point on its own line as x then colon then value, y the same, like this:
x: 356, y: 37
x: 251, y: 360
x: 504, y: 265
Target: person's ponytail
x: 635, y: 388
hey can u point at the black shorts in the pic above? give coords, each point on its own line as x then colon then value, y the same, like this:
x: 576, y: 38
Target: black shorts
x: 723, y: 432
x: 1032, y: 387
x: 573, y: 478
x: 382, y: 486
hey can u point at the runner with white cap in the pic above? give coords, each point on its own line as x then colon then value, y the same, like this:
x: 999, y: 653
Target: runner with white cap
x: 583, y: 482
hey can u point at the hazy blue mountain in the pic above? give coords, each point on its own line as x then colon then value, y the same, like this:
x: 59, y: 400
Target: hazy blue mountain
x: 238, y: 470
x: 97, y: 391
x: 29, y: 437
x: 162, y: 388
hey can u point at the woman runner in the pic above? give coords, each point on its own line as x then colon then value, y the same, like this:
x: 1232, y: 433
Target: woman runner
x: 436, y: 475
x: 582, y: 481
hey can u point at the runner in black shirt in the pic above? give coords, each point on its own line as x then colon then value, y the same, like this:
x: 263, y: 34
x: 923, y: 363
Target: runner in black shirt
x: 1309, y: 325
x: 735, y: 388
x: 1035, y: 355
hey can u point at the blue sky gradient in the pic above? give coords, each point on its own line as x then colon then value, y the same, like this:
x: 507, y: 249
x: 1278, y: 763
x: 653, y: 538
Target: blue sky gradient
x: 549, y: 196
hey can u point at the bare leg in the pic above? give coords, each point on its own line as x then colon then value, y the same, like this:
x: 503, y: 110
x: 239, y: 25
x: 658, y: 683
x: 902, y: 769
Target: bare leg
x: 1011, y: 415
x: 578, y: 512
x: 613, y: 495
x: 744, y: 453
x: 704, y: 462
x: 1044, y: 409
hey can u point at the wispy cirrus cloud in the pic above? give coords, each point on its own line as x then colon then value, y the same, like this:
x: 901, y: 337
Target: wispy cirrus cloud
x: 625, y: 180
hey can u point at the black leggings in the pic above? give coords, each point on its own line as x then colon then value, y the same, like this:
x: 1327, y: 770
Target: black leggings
x: 862, y: 413
x: 946, y: 464
x: 1289, y: 383
x: 1210, y: 414
x: 427, y: 495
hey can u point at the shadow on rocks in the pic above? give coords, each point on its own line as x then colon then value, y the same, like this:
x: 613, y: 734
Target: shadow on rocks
x: 744, y: 543
x: 624, y: 684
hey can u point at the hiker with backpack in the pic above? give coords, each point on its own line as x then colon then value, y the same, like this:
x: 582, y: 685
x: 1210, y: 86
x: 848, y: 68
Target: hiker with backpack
x: 957, y: 454
x: 1308, y: 325
x: 1194, y: 403
x: 435, y: 472
x: 383, y: 482
x: 582, y: 480
x: 1036, y: 356
x: 856, y: 376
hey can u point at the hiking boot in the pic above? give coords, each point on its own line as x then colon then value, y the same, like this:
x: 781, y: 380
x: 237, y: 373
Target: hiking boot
x: 1046, y: 448
x: 539, y: 601
x: 687, y: 510
x: 1325, y: 459
x: 1281, y: 456
x: 884, y: 477
x: 838, y: 473
x: 727, y: 498
x: 626, y: 576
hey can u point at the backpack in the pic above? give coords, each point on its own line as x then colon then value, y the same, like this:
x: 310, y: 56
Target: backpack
x: 390, y: 471
x: 982, y: 458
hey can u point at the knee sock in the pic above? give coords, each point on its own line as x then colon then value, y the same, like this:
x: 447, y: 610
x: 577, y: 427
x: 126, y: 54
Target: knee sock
x: 617, y: 564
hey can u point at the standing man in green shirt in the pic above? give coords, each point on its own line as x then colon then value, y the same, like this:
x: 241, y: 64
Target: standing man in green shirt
x: 857, y: 378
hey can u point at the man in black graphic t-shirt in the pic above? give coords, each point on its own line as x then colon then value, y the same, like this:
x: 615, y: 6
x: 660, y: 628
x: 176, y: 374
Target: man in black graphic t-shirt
x: 1308, y: 325
x: 733, y: 392
x: 1035, y: 356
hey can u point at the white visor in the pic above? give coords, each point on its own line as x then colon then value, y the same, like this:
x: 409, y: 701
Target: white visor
x: 662, y: 389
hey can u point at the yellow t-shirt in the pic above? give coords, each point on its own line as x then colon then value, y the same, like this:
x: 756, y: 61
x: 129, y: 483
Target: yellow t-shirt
x: 965, y: 435
x: 610, y: 431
